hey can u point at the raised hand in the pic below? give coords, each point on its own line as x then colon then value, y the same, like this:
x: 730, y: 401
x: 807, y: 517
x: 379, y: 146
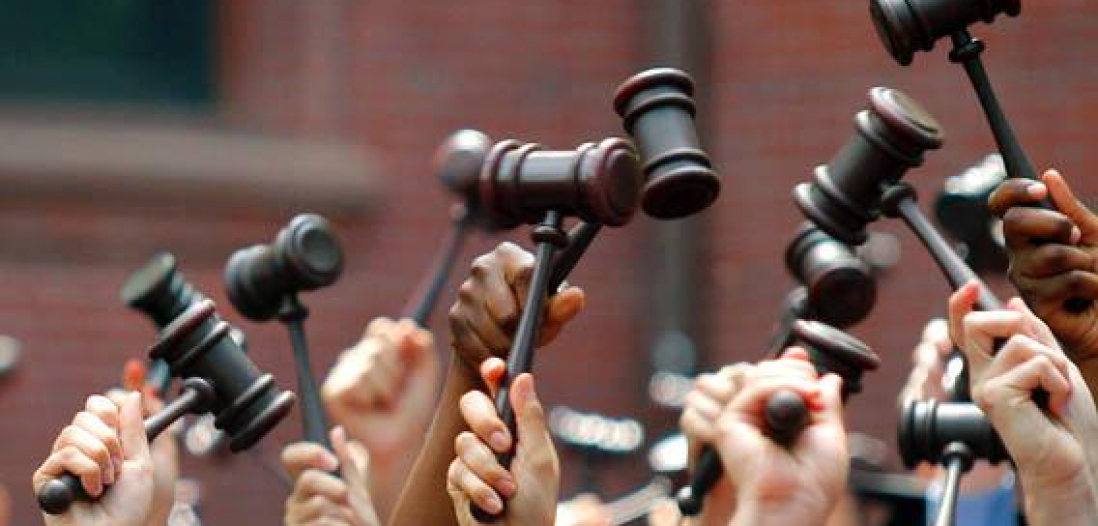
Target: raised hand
x: 530, y: 487
x: 105, y: 446
x: 490, y: 302
x: 383, y: 392
x: 774, y: 484
x: 1053, y: 258
x: 1053, y: 450
x: 321, y: 498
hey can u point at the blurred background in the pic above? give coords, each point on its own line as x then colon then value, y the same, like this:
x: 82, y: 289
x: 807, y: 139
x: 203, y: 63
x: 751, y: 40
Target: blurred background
x: 200, y: 126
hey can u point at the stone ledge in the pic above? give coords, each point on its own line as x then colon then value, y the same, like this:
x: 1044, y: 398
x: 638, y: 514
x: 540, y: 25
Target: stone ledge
x: 148, y: 161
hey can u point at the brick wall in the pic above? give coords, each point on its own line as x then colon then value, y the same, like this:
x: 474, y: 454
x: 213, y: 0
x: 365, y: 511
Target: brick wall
x: 397, y: 77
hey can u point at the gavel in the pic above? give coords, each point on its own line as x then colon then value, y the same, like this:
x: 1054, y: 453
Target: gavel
x: 831, y: 351
x: 951, y: 434
x: 458, y: 162
x: 658, y: 113
x: 521, y: 183
x: 218, y: 378
x: 962, y: 211
x: 263, y: 282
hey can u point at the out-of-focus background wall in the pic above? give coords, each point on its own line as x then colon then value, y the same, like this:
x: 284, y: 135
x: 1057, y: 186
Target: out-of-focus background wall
x: 200, y: 126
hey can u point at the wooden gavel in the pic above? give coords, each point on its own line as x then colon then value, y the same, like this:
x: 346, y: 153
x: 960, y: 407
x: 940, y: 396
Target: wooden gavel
x: 218, y: 378
x: 908, y: 26
x: 263, y: 281
x: 831, y: 351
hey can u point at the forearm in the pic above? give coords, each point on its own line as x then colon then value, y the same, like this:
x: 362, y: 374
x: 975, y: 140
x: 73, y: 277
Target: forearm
x: 424, y: 499
x: 1060, y: 505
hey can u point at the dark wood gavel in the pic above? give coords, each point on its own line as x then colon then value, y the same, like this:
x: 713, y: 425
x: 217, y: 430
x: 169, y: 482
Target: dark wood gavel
x: 263, y: 282
x: 831, y: 351
x: 218, y: 378
x: 951, y: 434
x: 907, y: 26
x: 521, y: 183
x: 839, y: 288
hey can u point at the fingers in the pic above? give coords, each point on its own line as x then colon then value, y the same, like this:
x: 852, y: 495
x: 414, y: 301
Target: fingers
x: 317, y: 510
x: 135, y: 444
x: 313, y: 483
x: 71, y: 459
x: 463, y: 480
x: 1053, y: 291
x: 97, y: 441
x: 1014, y: 193
x: 831, y: 399
x: 492, y: 372
x: 561, y: 309
x: 961, y: 302
x: 480, y: 415
x: 481, y: 461
x: 300, y: 456
x: 1065, y: 201
x: 1021, y: 225
x: 1051, y: 259
x: 529, y: 415
x: 1015, y: 354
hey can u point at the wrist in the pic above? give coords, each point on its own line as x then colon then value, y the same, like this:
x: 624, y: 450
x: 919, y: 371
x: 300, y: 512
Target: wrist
x: 788, y: 504
x: 1063, y: 503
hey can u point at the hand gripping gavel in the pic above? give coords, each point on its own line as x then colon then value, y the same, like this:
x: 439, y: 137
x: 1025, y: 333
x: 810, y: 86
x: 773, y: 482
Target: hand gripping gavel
x: 657, y: 110
x: 263, y: 281
x: 831, y: 351
x: 950, y: 434
x: 218, y: 377
x: 907, y: 26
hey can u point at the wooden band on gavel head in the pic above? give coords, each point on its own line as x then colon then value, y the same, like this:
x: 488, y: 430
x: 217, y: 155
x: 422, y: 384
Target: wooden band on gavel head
x: 305, y: 255
x: 908, y: 26
x: 890, y: 138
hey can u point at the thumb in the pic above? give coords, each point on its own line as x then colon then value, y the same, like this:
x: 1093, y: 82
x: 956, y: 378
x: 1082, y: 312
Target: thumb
x: 533, y: 434
x: 135, y: 444
x: 831, y: 399
x: 1066, y: 202
x: 354, y: 460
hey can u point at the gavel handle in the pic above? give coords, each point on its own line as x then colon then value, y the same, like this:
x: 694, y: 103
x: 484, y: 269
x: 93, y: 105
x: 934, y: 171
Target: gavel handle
x: 56, y: 496
x: 520, y: 359
x: 428, y: 292
x: 958, y: 460
x: 579, y: 239
x: 966, y: 51
x: 312, y: 412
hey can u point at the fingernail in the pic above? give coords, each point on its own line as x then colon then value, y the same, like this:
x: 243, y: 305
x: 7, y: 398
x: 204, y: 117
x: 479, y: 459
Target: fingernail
x: 494, y: 504
x: 507, y: 487
x: 1035, y: 189
x: 1076, y: 235
x: 499, y: 441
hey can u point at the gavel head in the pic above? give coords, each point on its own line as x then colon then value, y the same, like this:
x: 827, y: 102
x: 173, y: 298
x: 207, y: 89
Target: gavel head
x: 834, y: 351
x: 927, y: 426
x: 657, y: 109
x: 962, y: 210
x: 890, y: 138
x: 520, y: 182
x: 458, y: 161
x: 247, y: 403
x: 159, y: 290
x: 907, y: 26
x: 305, y: 255
x: 839, y: 285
